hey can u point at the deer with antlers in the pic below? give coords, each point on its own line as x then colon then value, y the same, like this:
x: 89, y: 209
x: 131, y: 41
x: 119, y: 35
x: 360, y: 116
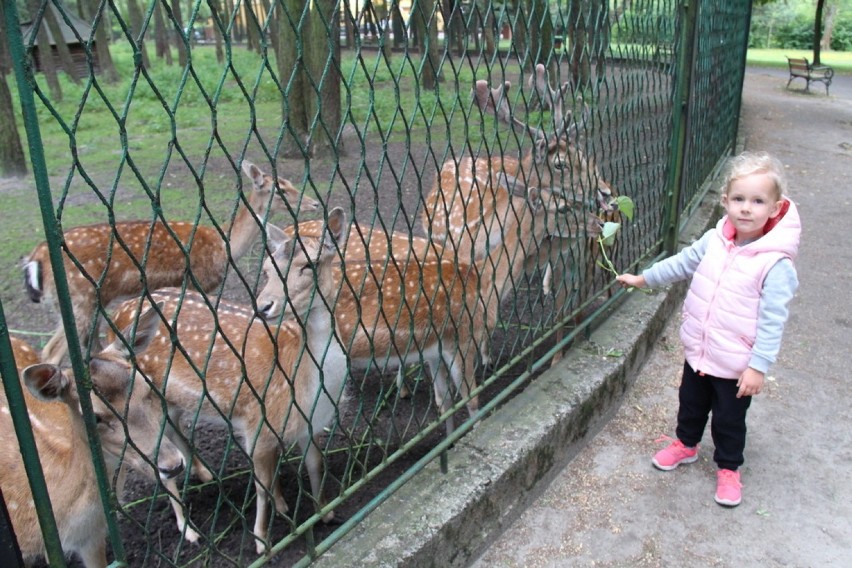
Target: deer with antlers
x: 108, y: 262
x: 122, y: 404
x: 275, y: 385
x: 471, y: 195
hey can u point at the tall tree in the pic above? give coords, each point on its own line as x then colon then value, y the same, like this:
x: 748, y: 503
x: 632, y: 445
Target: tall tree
x: 297, y: 104
x: 425, y: 24
x: 66, y: 62
x: 12, y: 158
x: 161, y: 35
x: 94, y: 16
x: 324, y: 54
x: 818, y: 30
x: 829, y: 21
x: 46, y: 61
x: 136, y: 20
x: 178, y: 34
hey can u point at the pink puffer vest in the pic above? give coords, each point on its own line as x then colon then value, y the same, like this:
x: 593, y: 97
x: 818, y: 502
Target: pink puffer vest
x: 721, y: 308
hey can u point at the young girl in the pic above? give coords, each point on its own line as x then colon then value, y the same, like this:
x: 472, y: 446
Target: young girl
x: 734, y: 314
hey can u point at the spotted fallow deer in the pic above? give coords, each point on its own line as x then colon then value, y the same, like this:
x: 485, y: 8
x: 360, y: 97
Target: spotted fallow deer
x: 464, y: 209
x: 123, y: 404
x: 23, y: 353
x: 471, y: 195
x: 436, y: 311
x: 365, y: 244
x: 275, y: 385
x: 107, y: 262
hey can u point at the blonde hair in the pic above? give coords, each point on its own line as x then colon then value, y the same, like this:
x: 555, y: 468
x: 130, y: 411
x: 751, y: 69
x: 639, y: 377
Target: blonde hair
x: 749, y: 163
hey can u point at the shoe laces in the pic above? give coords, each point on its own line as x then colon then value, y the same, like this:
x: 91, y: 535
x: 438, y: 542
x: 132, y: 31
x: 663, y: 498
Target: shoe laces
x: 729, y: 477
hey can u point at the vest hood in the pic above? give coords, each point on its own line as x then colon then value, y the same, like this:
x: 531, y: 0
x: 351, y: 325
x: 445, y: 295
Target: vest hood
x: 780, y: 234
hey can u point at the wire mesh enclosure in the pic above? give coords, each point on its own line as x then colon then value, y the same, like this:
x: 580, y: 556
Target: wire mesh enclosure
x: 298, y: 248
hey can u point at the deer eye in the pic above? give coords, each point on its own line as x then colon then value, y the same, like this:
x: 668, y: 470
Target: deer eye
x: 308, y: 266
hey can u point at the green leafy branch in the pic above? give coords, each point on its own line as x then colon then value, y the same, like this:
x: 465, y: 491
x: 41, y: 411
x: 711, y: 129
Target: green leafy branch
x: 610, y: 229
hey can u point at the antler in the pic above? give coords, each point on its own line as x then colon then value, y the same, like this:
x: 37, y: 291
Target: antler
x: 496, y: 100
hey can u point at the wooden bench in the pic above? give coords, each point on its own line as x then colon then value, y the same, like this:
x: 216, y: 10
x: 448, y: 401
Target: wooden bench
x: 799, y: 67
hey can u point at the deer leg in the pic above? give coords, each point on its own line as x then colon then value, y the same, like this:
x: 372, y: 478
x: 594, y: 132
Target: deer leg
x: 313, y: 461
x: 93, y: 554
x: 263, y: 458
x: 178, y: 506
x: 441, y: 390
x: 404, y: 392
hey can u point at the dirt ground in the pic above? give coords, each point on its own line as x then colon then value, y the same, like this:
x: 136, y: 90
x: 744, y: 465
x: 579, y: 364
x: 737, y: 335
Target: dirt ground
x: 610, y: 508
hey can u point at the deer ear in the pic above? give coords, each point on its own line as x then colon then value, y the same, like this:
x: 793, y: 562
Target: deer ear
x: 46, y: 382
x: 534, y: 198
x: 334, y: 228
x: 253, y: 172
x: 275, y: 239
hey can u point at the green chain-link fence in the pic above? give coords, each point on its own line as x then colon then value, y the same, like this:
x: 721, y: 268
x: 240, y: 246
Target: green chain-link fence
x: 165, y: 137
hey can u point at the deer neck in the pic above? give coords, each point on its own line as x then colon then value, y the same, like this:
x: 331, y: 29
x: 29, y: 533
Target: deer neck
x: 244, y: 230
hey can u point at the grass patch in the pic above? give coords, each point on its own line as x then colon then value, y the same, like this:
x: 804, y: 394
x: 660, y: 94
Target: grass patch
x: 841, y: 61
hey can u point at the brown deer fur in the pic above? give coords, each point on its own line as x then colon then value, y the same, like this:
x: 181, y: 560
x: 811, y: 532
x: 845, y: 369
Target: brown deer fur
x: 64, y: 452
x: 280, y: 400
x: 121, y: 260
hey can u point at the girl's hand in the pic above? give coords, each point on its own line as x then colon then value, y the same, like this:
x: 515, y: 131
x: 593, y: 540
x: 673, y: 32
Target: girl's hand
x: 628, y: 280
x: 750, y: 383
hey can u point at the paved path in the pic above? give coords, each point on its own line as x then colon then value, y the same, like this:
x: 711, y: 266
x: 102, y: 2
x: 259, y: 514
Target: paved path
x: 610, y: 508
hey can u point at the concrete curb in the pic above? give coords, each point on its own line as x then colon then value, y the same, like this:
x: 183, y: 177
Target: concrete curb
x: 499, y: 468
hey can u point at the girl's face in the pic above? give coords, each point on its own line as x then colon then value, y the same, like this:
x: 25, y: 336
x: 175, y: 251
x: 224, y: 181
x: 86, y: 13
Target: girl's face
x: 750, y: 203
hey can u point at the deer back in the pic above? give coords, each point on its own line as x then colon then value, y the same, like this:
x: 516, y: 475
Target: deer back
x: 115, y: 257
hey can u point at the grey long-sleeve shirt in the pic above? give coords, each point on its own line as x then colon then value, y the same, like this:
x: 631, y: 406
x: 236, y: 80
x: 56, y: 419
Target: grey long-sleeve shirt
x: 779, y: 287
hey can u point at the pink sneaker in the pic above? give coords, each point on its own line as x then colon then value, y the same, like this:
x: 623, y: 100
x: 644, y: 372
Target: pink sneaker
x: 728, y: 488
x: 675, y: 454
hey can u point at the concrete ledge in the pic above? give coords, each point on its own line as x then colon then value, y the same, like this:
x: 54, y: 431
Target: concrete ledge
x: 499, y: 468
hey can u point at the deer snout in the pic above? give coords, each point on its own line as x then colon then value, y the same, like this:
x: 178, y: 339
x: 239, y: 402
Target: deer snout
x: 268, y: 310
x: 171, y: 469
x: 308, y: 204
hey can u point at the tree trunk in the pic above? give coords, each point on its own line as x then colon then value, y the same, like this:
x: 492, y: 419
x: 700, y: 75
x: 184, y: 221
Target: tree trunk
x: 178, y: 33
x: 398, y: 25
x: 296, y: 105
x: 161, y: 36
x: 12, y: 158
x: 828, y: 26
x: 108, y: 71
x: 578, y: 53
x: 218, y: 26
x: 45, y: 53
x: 66, y: 63
x: 426, y: 26
x: 487, y: 14
x: 817, y: 30
x: 519, y: 34
x: 324, y: 56
x: 136, y: 19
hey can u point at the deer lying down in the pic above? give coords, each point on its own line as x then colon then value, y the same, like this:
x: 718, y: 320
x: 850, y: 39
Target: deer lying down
x: 121, y: 262
x: 275, y: 386
x: 64, y: 452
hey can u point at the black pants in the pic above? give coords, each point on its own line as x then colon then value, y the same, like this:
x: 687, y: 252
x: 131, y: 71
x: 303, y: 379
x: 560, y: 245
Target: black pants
x: 699, y: 396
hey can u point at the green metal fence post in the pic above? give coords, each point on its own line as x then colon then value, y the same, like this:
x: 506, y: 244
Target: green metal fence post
x: 25, y: 79
x: 688, y: 15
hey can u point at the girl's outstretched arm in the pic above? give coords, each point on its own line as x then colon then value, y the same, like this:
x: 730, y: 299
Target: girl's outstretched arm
x: 628, y: 280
